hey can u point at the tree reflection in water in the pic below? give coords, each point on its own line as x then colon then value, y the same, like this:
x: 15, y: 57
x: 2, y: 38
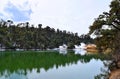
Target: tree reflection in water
x: 112, y: 72
x: 22, y: 63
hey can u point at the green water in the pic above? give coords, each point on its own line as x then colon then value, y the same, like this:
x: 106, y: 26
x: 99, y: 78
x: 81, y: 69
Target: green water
x: 49, y: 65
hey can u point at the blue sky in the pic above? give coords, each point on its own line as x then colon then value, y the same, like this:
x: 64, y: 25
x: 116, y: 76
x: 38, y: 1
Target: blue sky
x: 70, y: 15
x: 17, y: 14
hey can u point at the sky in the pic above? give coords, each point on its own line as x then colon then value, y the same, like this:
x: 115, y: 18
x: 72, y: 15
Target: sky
x: 71, y: 15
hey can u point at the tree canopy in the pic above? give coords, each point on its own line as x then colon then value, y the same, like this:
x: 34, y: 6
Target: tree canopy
x: 27, y: 36
x: 107, y: 27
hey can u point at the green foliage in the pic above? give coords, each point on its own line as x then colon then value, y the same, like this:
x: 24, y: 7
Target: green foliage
x: 26, y: 36
x: 106, y: 38
x: 27, y: 60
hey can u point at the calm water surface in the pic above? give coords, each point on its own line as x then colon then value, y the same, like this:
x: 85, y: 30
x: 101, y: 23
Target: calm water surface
x: 49, y: 65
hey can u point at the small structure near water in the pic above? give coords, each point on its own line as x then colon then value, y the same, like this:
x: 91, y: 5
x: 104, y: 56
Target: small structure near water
x: 81, y: 46
x: 63, y: 49
x: 91, y: 48
x: 87, y: 47
x: 64, y: 46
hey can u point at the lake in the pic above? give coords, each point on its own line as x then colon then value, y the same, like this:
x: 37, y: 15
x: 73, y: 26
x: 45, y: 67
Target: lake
x: 50, y: 65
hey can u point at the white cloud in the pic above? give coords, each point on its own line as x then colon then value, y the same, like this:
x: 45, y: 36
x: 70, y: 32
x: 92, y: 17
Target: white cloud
x: 74, y: 15
x: 3, y: 4
x: 7, y: 4
x: 21, y: 4
x: 71, y: 15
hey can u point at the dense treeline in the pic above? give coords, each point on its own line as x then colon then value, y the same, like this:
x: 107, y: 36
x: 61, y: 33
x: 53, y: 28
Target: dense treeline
x: 26, y: 36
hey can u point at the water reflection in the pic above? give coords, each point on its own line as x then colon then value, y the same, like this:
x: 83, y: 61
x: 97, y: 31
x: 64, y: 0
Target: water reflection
x: 2, y: 49
x: 76, y: 51
x: 80, y: 51
x: 63, y: 51
x: 112, y: 71
x: 15, y: 75
x: 48, y: 65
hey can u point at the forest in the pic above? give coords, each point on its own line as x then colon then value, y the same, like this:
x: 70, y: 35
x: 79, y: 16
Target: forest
x: 27, y: 36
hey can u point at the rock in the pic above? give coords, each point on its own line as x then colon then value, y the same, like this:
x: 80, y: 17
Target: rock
x: 115, y: 74
x: 107, y: 51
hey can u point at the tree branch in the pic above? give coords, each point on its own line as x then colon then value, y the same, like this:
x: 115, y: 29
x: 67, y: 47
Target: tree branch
x: 115, y: 27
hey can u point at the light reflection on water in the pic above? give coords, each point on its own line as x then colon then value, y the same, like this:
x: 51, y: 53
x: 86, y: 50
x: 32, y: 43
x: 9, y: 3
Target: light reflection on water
x: 80, y: 51
x: 73, y: 71
x: 47, y: 66
x: 76, y: 51
x: 63, y: 51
